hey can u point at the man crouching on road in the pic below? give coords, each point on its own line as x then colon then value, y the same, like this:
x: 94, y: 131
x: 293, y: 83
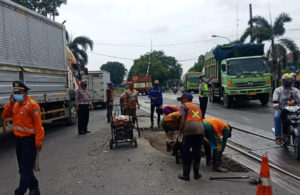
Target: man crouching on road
x: 27, y: 127
x: 217, y: 132
x: 191, y: 127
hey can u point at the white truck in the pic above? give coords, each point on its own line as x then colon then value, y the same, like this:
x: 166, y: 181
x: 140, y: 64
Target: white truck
x: 97, y: 81
x: 33, y: 50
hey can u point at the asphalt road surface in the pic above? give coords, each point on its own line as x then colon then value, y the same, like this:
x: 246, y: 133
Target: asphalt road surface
x: 247, y: 113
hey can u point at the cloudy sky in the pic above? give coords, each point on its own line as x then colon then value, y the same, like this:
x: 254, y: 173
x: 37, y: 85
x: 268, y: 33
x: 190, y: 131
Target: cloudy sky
x: 181, y: 28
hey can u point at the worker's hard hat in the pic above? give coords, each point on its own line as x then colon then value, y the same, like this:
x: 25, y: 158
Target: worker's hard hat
x: 156, y: 82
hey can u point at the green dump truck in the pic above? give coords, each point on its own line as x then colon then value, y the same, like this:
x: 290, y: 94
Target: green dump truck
x: 241, y: 72
x: 190, y: 81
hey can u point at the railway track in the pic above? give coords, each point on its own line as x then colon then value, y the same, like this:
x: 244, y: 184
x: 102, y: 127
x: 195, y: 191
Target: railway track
x: 291, y: 171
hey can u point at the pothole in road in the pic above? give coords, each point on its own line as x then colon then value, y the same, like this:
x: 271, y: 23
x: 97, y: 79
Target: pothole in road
x: 157, y: 139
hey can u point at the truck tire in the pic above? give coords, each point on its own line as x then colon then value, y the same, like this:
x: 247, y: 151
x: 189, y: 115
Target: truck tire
x: 264, y: 99
x: 212, y: 97
x: 227, y: 100
x: 297, y: 147
x: 72, y: 119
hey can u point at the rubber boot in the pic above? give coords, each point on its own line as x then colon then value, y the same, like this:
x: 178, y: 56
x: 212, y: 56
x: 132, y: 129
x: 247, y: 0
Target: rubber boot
x: 197, y: 175
x: 35, y: 191
x: 186, y: 173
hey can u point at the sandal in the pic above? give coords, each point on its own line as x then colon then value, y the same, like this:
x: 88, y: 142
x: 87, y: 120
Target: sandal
x: 278, y: 141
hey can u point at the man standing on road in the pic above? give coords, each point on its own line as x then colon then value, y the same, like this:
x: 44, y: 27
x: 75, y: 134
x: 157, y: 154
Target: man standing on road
x: 131, y: 101
x: 83, y: 104
x: 217, y: 132
x: 155, y: 95
x: 27, y: 127
x: 203, y: 93
x: 109, y: 101
x: 191, y: 127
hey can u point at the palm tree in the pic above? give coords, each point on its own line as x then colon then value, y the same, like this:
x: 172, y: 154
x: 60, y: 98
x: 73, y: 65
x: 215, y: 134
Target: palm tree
x: 79, y: 46
x: 263, y: 31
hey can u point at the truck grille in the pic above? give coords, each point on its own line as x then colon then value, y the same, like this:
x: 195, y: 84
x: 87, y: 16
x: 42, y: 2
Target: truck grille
x: 250, y: 84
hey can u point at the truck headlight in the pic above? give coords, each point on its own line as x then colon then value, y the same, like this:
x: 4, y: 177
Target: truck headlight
x: 229, y: 83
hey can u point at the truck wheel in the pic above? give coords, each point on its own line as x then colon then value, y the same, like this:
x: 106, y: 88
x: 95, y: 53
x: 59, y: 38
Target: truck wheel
x: 264, y: 99
x: 212, y: 97
x: 72, y: 119
x: 227, y: 100
x: 297, y: 147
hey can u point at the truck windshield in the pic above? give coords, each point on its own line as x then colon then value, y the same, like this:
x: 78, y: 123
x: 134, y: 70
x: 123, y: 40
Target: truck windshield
x: 193, y: 79
x: 248, y: 66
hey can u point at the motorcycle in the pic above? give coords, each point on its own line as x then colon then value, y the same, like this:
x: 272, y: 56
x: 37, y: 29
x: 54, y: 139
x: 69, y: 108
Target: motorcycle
x: 292, y: 136
x: 175, y: 90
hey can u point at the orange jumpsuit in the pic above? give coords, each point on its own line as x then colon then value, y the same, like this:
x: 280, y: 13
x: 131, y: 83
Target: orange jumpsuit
x: 27, y: 119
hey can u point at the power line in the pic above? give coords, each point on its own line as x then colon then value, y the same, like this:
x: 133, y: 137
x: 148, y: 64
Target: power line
x: 158, y: 45
x: 105, y: 55
x: 120, y: 45
x: 186, y: 60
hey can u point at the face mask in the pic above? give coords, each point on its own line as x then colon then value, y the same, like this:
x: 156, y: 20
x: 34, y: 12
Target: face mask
x: 19, y: 97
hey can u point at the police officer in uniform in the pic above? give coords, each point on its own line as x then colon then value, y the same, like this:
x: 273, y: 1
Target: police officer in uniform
x: 27, y: 127
x: 83, y: 104
x: 203, y: 94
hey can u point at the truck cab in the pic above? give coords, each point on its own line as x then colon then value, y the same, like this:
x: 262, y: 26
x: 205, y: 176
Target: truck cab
x: 246, y: 78
x: 241, y: 72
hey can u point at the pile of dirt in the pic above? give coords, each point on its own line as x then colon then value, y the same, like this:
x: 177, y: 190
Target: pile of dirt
x: 158, y: 138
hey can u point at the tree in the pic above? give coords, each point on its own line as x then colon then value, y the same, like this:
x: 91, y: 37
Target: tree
x: 79, y: 46
x: 198, y: 66
x: 164, y: 68
x: 263, y: 31
x: 44, y: 7
x: 117, y: 71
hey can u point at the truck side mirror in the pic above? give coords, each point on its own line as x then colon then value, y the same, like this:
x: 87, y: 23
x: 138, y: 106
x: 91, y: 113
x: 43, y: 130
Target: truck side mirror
x: 223, y: 67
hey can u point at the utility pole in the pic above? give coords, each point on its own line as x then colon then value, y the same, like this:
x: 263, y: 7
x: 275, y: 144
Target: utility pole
x: 251, y: 24
x: 149, y: 62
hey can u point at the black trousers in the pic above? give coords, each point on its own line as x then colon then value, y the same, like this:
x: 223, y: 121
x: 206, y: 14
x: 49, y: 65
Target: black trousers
x: 155, y: 107
x: 217, y: 158
x: 109, y: 112
x: 26, y: 155
x: 83, y: 117
x: 193, y: 142
x: 203, y: 105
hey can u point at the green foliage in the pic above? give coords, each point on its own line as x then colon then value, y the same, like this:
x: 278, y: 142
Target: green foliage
x: 198, y: 66
x: 44, y: 7
x: 117, y: 71
x: 263, y: 31
x: 164, y: 68
x: 79, y: 46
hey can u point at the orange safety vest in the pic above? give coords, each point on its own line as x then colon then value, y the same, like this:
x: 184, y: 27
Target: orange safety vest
x: 218, y: 125
x: 27, y: 119
x: 172, y: 119
x: 194, y: 112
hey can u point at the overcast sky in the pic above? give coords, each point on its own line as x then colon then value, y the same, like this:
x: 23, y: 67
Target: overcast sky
x: 181, y: 28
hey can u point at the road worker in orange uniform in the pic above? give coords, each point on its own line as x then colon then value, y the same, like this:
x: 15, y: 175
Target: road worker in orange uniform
x: 191, y: 127
x: 170, y: 124
x: 27, y: 127
x: 217, y: 132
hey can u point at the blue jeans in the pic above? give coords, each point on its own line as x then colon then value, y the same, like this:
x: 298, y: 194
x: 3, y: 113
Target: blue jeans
x: 277, y: 122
